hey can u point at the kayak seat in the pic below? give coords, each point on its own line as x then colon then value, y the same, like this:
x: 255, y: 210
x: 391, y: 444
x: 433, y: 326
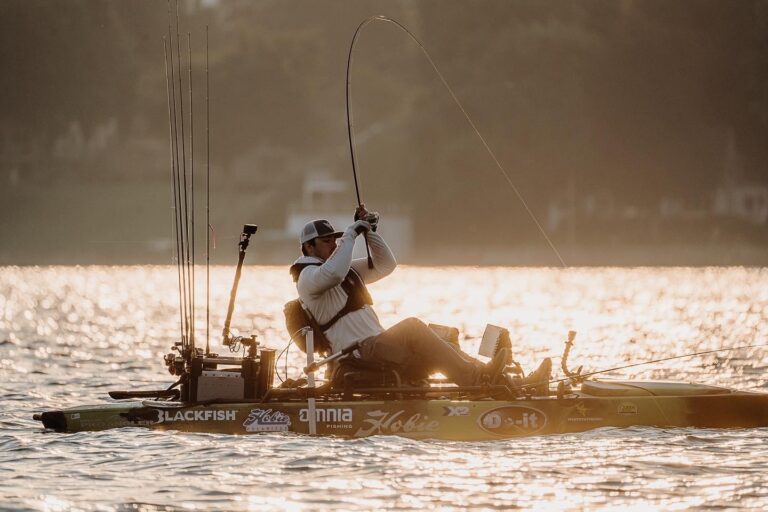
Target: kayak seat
x: 648, y: 388
x: 352, y: 373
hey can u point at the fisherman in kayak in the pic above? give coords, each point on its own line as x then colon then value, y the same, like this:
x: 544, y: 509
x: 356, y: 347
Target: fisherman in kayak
x: 332, y: 287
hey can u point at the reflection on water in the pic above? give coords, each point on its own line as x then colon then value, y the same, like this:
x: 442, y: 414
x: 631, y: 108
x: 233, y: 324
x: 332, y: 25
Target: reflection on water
x: 67, y: 335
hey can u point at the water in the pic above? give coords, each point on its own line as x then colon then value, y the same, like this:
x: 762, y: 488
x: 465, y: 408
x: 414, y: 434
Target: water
x: 68, y: 335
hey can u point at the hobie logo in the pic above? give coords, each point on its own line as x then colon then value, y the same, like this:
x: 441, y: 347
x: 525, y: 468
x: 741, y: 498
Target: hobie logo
x: 190, y: 415
x: 267, y: 420
x: 512, y: 420
x: 383, y: 422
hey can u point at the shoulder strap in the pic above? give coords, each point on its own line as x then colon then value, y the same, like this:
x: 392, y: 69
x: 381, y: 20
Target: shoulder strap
x: 354, y: 286
x: 296, y: 269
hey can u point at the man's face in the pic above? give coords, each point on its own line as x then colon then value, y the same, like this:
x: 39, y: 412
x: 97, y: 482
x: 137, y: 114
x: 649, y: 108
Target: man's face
x: 323, y: 248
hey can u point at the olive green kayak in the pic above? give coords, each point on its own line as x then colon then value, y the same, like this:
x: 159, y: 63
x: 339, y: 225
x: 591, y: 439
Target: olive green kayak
x: 598, y: 403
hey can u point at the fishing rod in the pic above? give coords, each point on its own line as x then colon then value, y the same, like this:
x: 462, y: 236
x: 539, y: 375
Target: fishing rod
x: 190, y: 324
x: 351, y: 134
x: 207, y: 203
x: 192, y: 173
x: 171, y: 139
x: 177, y: 192
x: 581, y: 376
x: 463, y: 111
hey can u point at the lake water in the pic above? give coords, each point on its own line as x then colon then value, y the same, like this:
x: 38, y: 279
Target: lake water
x: 70, y: 334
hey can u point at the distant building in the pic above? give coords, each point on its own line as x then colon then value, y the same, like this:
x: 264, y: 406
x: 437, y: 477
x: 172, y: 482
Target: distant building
x: 735, y: 198
x: 324, y: 196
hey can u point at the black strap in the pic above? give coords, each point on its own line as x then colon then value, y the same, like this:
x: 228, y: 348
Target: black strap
x: 354, y: 286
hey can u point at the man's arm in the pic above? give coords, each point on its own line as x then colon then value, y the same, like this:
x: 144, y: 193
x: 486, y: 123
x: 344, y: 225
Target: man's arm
x: 384, y: 262
x: 316, y: 280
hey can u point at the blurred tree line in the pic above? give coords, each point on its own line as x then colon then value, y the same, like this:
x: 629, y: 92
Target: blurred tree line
x: 632, y: 97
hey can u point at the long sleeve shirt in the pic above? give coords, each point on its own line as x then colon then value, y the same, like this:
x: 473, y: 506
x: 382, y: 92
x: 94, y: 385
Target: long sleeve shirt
x: 321, y: 292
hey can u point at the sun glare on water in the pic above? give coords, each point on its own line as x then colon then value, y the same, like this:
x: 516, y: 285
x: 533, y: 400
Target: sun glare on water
x: 69, y: 334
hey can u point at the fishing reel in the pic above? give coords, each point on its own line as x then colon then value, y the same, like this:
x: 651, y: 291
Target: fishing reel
x: 175, y: 363
x: 236, y: 343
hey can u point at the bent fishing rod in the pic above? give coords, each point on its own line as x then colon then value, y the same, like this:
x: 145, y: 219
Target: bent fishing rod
x: 351, y: 134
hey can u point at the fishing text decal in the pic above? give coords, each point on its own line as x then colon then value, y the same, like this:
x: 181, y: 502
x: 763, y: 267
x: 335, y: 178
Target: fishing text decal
x: 267, y: 420
x: 332, y: 417
x: 512, y: 420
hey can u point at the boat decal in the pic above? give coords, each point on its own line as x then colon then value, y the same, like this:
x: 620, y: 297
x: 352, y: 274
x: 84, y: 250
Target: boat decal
x: 196, y: 415
x: 582, y: 417
x: 385, y: 422
x: 512, y: 420
x: 333, y: 417
x: 627, y: 408
x: 267, y: 420
x: 455, y: 410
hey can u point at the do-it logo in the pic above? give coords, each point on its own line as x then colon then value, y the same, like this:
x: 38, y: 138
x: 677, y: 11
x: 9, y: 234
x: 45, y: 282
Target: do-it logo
x: 512, y: 420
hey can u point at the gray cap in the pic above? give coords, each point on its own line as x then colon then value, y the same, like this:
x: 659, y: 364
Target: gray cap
x: 316, y: 229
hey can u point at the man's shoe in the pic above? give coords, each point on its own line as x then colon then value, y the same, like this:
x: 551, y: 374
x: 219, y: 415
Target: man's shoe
x: 538, y: 381
x: 495, y: 368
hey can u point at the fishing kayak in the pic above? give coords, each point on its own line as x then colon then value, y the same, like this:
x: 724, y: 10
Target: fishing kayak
x: 598, y: 403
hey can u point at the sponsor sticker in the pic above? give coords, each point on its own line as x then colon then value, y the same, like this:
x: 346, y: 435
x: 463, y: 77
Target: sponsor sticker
x: 196, y: 415
x: 267, y: 420
x: 627, y: 408
x: 385, y: 422
x: 455, y: 410
x: 332, y: 417
x: 582, y: 417
x: 512, y: 420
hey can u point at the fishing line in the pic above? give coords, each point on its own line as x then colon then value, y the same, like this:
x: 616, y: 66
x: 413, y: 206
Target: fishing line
x: 351, y: 134
x: 660, y: 361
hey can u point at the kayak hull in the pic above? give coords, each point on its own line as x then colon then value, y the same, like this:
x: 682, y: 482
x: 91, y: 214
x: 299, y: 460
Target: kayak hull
x: 463, y: 420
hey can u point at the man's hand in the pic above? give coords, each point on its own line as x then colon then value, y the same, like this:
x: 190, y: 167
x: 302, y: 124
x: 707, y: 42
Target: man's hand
x: 360, y: 212
x: 372, y: 218
x: 360, y: 227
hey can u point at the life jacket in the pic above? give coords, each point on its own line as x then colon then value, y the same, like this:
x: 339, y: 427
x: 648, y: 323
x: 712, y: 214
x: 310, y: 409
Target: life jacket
x: 298, y: 316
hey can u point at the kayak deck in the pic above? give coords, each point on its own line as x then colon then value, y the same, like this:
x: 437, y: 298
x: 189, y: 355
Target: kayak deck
x: 597, y: 404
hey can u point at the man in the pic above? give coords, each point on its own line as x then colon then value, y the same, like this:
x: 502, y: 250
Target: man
x: 332, y: 287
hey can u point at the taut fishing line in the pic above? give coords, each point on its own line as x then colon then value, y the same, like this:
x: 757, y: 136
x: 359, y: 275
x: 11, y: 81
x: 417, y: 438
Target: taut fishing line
x: 351, y: 133
x: 694, y: 354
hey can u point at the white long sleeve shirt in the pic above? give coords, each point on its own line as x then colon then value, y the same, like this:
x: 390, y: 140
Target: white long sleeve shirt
x: 321, y: 292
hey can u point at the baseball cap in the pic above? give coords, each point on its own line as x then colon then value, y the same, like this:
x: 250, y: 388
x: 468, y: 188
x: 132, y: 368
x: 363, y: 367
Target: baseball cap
x: 316, y: 229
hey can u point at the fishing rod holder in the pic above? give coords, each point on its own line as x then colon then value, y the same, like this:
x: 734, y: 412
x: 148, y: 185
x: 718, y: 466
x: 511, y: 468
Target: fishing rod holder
x: 205, y: 376
x: 235, y: 342
x: 575, y: 377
